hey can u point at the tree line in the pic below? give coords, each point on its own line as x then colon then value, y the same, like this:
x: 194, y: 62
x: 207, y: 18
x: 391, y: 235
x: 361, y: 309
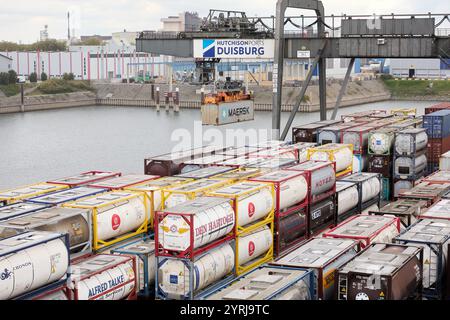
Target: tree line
x: 47, y: 45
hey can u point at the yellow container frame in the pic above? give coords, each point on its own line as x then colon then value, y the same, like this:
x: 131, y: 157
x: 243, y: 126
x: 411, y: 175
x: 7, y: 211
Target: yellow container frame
x: 330, y: 153
x: 223, y: 175
x: 191, y: 195
x: 405, y: 111
x: 12, y: 200
x: 100, y: 244
x: 257, y: 262
x: 149, y: 195
x: 239, y: 230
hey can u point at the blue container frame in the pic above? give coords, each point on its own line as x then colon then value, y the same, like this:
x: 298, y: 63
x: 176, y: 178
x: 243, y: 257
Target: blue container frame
x: 147, y: 291
x: 436, y: 291
x: 36, y: 199
x: 44, y: 206
x: 308, y: 274
x: 190, y: 265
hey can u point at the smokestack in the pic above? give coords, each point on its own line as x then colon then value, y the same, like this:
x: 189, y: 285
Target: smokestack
x: 68, y: 26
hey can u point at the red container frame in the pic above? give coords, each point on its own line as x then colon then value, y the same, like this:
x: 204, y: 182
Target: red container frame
x: 278, y: 251
x: 277, y: 185
x: 308, y: 172
x: 131, y: 296
x: 365, y: 241
x: 111, y: 175
x: 430, y: 197
x: 190, y: 253
x: 367, y: 128
x: 437, y: 107
x: 67, y: 292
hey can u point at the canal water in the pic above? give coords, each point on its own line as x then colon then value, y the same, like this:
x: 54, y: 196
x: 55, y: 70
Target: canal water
x: 38, y: 146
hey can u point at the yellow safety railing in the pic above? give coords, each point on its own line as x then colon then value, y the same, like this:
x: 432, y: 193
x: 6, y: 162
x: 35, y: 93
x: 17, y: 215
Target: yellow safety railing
x: 331, y: 150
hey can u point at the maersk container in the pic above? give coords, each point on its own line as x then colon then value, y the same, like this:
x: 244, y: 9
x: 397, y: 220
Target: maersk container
x: 186, y: 279
x: 124, y: 181
x: 434, y: 237
x: 410, y: 141
x: 116, y: 216
x: 204, y: 173
x: 74, y: 222
x: 19, y: 208
x: 32, y: 262
x: 228, y: 112
x: 308, y: 132
x: 437, y: 124
x: 203, y: 162
x: 321, y: 216
x: 440, y: 210
x: 410, y: 168
x: 366, y: 229
x: 408, y: 210
x: 104, y: 277
x: 332, y: 134
x: 347, y: 199
x: 268, y: 283
x: 177, y: 195
x: 144, y: 251
x: 193, y: 224
x: 65, y: 196
x: 11, y: 196
x: 324, y: 257
x: 85, y: 178
x: 381, y: 141
x: 382, y: 272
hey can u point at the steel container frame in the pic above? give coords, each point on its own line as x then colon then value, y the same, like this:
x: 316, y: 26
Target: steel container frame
x: 74, y: 180
x: 17, y: 197
x: 330, y: 151
x: 105, y: 184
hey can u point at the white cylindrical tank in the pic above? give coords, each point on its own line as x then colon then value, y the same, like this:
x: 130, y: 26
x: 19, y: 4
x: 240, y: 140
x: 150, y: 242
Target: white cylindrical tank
x: 107, y: 280
x: 408, y: 167
x: 255, y: 200
x: 293, y: 187
x: 118, y: 219
x: 381, y: 142
x: 329, y: 136
x: 254, y: 244
x: 347, y: 198
x: 211, y: 222
x: 355, y: 138
x: 323, y: 178
x: 173, y: 274
x: 343, y: 158
x: 360, y: 163
x: 410, y: 141
x: 32, y: 268
x: 402, y: 185
x: 370, y: 189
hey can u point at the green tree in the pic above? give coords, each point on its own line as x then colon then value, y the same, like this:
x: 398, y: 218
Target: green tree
x: 44, y: 76
x: 12, y: 76
x: 47, y: 45
x: 4, y: 78
x: 33, y: 77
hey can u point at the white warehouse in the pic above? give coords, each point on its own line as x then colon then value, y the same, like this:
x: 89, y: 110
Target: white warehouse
x: 5, y: 63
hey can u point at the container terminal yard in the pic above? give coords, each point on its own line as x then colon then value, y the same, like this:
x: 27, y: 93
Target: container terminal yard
x: 354, y: 206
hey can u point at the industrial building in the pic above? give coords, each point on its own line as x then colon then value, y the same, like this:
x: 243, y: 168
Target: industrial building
x: 5, y: 63
x: 420, y: 68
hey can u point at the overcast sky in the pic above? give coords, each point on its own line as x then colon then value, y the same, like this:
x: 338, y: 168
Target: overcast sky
x: 21, y: 20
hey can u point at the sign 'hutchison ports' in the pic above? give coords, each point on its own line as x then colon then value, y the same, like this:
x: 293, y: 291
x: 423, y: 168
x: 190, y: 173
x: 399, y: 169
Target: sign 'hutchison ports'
x: 234, y: 48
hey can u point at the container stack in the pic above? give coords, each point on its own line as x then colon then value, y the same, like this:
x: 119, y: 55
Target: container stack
x: 333, y: 134
x: 381, y: 150
x: 323, y: 256
x: 290, y: 207
x: 321, y: 189
x: 195, y: 247
x: 254, y: 204
x: 434, y: 237
x: 437, y: 126
x: 410, y: 159
x: 369, y: 190
x: 398, y: 274
x: 341, y: 154
x: 358, y: 137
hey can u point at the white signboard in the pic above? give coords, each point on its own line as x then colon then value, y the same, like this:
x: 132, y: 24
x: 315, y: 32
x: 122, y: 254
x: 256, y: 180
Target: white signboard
x: 303, y: 54
x: 234, y: 48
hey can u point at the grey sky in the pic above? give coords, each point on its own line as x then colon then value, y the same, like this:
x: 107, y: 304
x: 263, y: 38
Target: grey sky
x: 21, y: 20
